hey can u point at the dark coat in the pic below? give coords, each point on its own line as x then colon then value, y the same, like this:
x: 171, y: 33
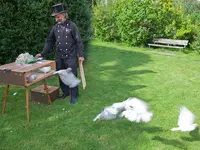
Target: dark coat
x: 66, y: 38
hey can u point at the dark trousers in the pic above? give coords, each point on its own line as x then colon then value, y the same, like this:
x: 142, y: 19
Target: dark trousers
x: 64, y: 63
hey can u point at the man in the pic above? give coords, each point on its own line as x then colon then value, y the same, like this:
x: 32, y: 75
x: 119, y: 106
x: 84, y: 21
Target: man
x: 65, y: 36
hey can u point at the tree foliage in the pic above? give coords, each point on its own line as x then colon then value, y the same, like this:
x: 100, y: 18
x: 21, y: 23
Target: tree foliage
x: 25, y: 24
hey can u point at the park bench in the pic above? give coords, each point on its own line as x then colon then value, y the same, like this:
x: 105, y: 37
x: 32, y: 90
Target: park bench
x: 169, y: 43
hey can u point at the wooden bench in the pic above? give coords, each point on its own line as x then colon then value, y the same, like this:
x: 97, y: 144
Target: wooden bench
x: 169, y: 43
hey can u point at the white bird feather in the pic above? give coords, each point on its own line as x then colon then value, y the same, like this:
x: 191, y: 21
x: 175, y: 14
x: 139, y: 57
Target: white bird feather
x: 129, y: 114
x: 185, y: 121
x: 67, y: 77
x: 120, y: 106
x: 108, y: 113
x: 45, y: 69
x: 136, y: 104
x: 133, y: 109
x: 136, y: 110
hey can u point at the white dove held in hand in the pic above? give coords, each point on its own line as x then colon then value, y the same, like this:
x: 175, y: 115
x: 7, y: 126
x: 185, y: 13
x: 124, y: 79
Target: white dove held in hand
x: 185, y: 120
x: 67, y: 77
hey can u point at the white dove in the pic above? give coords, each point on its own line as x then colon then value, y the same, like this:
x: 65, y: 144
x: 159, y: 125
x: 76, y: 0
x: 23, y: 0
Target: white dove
x: 133, y: 109
x: 45, y: 69
x: 67, y: 77
x: 136, y: 110
x: 185, y: 120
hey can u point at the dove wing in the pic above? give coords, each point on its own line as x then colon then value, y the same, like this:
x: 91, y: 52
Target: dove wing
x: 129, y: 115
x: 186, y: 117
x: 119, y: 106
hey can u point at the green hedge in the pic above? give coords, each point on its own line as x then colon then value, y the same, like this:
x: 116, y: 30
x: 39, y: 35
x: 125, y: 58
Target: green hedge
x: 138, y: 22
x: 25, y: 24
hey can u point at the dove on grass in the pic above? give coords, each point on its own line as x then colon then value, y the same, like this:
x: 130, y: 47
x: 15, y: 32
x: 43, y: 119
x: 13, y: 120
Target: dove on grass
x: 108, y: 113
x: 133, y: 109
x: 136, y: 110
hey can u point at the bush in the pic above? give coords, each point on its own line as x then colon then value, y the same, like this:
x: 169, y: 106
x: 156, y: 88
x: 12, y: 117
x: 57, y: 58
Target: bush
x: 190, y: 22
x: 104, y: 22
x: 138, y: 22
x: 195, y: 45
x: 132, y: 23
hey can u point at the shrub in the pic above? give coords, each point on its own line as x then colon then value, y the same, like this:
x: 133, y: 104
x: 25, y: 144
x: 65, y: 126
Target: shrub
x: 27, y: 23
x: 138, y: 22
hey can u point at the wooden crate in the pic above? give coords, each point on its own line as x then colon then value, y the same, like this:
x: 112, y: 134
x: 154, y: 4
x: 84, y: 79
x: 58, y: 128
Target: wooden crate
x: 38, y: 94
x: 16, y: 74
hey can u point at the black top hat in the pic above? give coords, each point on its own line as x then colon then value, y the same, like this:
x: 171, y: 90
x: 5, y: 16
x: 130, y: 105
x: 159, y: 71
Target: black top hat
x: 58, y: 9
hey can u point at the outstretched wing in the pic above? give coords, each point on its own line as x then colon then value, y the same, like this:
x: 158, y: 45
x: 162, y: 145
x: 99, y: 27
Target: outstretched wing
x: 129, y: 114
x: 186, y: 117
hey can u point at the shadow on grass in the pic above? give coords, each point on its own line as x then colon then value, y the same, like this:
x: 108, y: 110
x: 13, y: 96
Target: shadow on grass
x: 115, y: 71
x: 142, y: 72
x: 195, y: 136
x: 171, y: 142
x: 125, y: 126
x: 112, y: 75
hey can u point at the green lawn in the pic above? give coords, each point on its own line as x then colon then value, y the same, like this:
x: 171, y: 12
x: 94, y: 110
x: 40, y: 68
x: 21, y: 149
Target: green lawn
x: 114, y: 72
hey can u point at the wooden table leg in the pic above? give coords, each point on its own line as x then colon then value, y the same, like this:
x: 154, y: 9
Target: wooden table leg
x: 27, y: 104
x: 5, y: 99
x: 47, y: 92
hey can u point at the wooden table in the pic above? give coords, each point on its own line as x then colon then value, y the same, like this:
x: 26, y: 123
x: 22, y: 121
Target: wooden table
x: 15, y: 74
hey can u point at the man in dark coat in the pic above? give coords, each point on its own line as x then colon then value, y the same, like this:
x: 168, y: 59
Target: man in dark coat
x: 65, y: 36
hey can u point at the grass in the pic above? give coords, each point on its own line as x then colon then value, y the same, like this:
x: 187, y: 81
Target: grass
x: 113, y: 72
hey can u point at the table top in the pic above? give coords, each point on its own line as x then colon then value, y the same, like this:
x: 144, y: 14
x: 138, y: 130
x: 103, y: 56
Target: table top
x: 17, y: 74
x: 26, y: 67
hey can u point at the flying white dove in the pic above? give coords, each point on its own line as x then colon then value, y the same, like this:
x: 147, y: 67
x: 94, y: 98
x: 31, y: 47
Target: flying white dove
x: 185, y: 120
x: 67, y: 77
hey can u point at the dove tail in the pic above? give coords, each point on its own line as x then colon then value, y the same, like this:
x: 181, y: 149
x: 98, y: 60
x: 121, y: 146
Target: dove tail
x: 97, y: 117
x: 175, y: 129
x: 56, y: 72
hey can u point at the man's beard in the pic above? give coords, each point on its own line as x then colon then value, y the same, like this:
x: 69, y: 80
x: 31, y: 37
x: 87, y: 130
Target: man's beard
x: 60, y: 21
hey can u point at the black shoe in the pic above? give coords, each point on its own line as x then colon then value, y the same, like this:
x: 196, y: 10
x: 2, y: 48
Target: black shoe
x: 62, y: 96
x: 73, y: 100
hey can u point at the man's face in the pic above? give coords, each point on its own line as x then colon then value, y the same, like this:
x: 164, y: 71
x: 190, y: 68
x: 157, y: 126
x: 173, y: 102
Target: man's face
x: 60, y: 18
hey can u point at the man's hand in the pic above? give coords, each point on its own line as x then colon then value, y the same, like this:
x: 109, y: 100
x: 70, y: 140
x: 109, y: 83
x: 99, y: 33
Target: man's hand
x: 81, y: 59
x: 38, y: 55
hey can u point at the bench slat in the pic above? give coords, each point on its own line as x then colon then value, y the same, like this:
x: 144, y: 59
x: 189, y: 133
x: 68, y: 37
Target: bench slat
x: 159, y: 45
x: 171, y: 41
